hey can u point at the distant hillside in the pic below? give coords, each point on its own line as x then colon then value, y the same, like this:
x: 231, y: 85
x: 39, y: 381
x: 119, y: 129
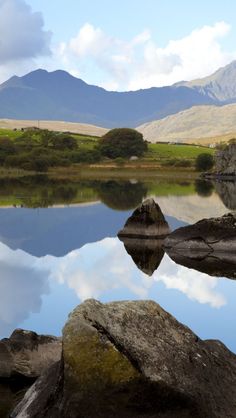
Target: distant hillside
x: 192, y: 124
x: 220, y: 86
x: 60, y: 96
x: 79, y: 128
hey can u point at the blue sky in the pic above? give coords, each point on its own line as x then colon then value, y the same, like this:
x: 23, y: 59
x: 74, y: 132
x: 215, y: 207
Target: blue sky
x: 119, y: 45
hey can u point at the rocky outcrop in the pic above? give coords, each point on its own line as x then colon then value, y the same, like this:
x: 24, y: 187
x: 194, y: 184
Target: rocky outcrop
x: 147, y: 221
x: 133, y: 359
x: 27, y: 354
x: 146, y: 253
x: 207, y: 236
x: 225, y: 161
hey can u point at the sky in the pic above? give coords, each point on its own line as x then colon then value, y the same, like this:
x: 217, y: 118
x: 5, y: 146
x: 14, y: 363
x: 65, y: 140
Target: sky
x: 119, y: 45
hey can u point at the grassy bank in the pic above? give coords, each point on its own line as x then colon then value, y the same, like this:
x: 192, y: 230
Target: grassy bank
x: 76, y: 155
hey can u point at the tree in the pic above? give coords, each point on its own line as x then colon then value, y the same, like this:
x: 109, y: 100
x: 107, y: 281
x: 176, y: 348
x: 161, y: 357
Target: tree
x: 122, y: 142
x: 64, y: 142
x: 204, y: 162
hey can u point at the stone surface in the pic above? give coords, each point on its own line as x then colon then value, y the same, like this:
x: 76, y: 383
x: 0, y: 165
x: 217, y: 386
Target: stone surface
x: 225, y: 161
x: 147, y: 221
x: 146, y: 253
x: 28, y: 354
x: 133, y: 359
x: 207, y: 235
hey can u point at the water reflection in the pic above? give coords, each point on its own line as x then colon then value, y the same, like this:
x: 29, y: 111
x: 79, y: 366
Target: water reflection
x: 204, y: 188
x: 102, y: 270
x: 75, y: 256
x: 146, y: 253
x: 22, y: 286
x: 42, y: 191
x: 216, y: 264
x: 121, y: 195
x: 227, y: 192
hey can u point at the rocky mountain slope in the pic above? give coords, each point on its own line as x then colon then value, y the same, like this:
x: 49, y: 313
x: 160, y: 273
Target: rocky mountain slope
x: 219, y: 86
x: 192, y: 124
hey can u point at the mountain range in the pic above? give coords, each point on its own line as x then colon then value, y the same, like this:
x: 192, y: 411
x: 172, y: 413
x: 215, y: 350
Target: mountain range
x: 43, y: 95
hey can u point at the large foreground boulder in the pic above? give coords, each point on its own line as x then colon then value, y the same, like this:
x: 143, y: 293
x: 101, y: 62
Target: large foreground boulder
x: 28, y: 354
x: 147, y: 221
x: 206, y: 236
x: 133, y: 359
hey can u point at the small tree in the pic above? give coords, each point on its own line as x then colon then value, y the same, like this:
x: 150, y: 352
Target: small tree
x: 122, y: 142
x: 204, y: 162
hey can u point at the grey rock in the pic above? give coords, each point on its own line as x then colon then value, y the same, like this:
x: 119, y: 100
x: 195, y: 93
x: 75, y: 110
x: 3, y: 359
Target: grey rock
x: 225, y: 161
x: 28, y: 354
x: 133, y: 359
x: 207, y: 235
x: 147, y: 221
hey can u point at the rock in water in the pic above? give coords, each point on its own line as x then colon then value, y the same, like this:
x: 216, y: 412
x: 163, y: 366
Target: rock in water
x: 133, y: 360
x: 207, y: 236
x: 147, y: 221
x: 28, y: 354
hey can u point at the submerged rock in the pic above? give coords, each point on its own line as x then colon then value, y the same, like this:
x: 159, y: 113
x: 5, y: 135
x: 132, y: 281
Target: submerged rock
x: 207, y: 235
x: 133, y: 360
x: 146, y: 253
x: 27, y: 354
x: 147, y: 221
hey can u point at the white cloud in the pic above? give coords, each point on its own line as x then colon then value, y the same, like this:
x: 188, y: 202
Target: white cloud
x: 99, y: 270
x: 140, y: 62
x: 195, y: 285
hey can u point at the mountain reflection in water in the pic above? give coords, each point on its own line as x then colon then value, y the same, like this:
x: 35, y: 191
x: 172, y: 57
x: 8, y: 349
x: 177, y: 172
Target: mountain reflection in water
x: 52, y: 259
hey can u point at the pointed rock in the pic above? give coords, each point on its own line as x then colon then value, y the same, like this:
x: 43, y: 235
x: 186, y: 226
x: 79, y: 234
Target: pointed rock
x: 147, y: 221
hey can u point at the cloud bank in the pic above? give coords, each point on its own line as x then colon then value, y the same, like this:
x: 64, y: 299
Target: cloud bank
x: 22, y: 37
x: 140, y: 62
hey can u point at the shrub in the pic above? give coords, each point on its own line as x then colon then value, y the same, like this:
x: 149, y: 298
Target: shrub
x: 122, y: 142
x: 204, y: 162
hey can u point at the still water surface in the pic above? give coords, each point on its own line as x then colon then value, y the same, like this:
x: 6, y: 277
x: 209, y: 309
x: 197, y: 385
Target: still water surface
x: 52, y: 258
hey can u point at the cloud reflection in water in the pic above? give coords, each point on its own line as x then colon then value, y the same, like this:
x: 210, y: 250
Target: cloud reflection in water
x: 101, y: 270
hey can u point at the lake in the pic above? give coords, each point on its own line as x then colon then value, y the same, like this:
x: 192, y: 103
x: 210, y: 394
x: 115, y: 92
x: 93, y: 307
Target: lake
x: 59, y: 246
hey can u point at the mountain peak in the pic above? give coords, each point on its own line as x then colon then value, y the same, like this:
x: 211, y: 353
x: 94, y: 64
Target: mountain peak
x: 221, y: 85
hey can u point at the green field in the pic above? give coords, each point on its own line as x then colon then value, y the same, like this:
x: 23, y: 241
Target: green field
x: 162, y: 152
x: 159, y: 156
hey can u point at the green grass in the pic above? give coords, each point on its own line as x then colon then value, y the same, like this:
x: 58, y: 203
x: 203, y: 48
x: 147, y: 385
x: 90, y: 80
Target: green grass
x: 165, y: 188
x: 161, y: 152
x: 10, y: 133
